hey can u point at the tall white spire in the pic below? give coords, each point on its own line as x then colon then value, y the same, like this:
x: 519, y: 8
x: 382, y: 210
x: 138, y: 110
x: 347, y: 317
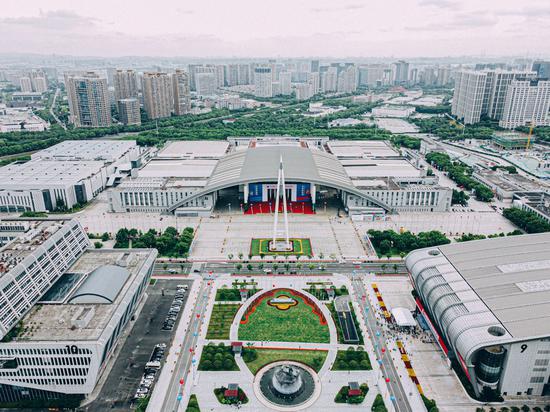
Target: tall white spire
x: 277, y: 244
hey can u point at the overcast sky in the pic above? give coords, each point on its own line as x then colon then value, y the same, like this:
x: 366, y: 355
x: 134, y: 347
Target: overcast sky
x: 276, y: 28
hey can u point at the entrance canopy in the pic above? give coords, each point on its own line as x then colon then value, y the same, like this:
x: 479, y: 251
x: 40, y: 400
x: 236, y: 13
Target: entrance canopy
x: 403, y: 317
x: 261, y: 164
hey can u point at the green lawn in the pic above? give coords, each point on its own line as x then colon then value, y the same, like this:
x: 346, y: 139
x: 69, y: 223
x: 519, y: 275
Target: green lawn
x: 312, y: 358
x: 261, y: 247
x: 296, y: 324
x: 220, y: 321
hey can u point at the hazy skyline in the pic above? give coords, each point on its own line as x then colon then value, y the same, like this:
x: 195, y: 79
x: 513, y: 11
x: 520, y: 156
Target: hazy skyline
x: 286, y: 28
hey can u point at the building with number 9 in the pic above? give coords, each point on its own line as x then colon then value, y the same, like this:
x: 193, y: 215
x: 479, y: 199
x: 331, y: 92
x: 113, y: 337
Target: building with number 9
x: 488, y: 303
x: 63, y: 307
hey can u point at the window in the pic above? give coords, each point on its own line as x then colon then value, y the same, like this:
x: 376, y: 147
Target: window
x: 541, y: 362
x: 537, y: 379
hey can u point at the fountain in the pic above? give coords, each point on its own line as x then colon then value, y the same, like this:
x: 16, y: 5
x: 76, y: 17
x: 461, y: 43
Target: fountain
x: 287, y: 381
x: 287, y: 384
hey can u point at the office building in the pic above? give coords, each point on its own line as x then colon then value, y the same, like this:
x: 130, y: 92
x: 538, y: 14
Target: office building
x: 483, y: 92
x: 88, y: 97
x: 486, y: 301
x: 262, y: 82
x: 182, y: 96
x: 128, y: 111
x: 74, y: 303
x: 527, y: 103
x: 157, y: 95
x: 125, y: 82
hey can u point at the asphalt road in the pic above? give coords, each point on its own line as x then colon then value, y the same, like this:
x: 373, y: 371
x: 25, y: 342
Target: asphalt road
x: 125, y: 375
x: 183, y: 367
x: 401, y: 402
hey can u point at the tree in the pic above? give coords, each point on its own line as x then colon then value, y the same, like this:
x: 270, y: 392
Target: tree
x: 384, y: 247
x: 249, y: 267
x: 98, y: 245
x: 238, y: 266
x: 230, y: 256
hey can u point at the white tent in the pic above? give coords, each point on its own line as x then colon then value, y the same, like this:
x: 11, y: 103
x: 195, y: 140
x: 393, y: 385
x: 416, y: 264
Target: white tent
x: 403, y: 317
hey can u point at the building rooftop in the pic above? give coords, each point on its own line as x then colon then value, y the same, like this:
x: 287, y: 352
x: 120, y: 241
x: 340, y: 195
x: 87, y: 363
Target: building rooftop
x: 38, y: 173
x: 38, y: 232
x: 184, y: 168
x: 511, y: 276
x: 343, y: 149
x: 106, y: 150
x: 189, y: 149
x: 89, y: 301
x: 366, y: 168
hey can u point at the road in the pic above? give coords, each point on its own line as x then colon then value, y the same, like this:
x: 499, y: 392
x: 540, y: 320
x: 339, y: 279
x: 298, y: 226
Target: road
x: 329, y: 267
x: 401, y: 402
x: 53, y: 113
x: 184, y: 363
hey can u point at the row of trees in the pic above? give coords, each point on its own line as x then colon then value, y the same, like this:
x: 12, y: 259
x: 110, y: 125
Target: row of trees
x: 406, y: 141
x: 389, y: 241
x: 461, y: 174
x: 446, y: 129
x: 470, y: 236
x: 526, y: 220
x: 168, y: 243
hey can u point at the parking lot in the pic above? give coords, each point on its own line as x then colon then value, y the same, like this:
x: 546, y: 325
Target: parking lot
x: 129, y: 368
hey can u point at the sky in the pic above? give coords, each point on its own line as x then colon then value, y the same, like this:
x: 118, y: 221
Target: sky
x: 276, y: 28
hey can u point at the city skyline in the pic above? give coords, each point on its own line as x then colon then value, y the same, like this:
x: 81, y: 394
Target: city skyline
x: 431, y: 28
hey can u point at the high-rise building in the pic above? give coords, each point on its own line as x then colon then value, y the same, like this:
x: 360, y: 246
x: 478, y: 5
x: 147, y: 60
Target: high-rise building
x: 262, y: 82
x: 128, y: 111
x: 232, y: 75
x: 125, y: 82
x: 401, y: 72
x: 347, y: 80
x: 413, y: 76
x: 244, y: 74
x: 482, y: 92
x: 182, y: 96
x: 542, y: 68
x: 220, y: 75
x: 206, y: 83
x: 88, y: 97
x: 304, y: 91
x: 329, y: 79
x: 443, y: 76
x: 157, y: 94
x: 527, y: 102
x: 315, y: 82
x: 40, y: 84
x: 285, y: 83
x: 314, y: 67
x: 25, y: 84
x: 428, y: 76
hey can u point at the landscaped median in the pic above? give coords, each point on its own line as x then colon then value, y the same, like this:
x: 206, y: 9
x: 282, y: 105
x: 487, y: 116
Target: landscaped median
x: 257, y: 358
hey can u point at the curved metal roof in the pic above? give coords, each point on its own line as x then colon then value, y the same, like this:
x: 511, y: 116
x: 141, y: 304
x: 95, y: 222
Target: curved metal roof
x: 101, y: 286
x: 261, y: 164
